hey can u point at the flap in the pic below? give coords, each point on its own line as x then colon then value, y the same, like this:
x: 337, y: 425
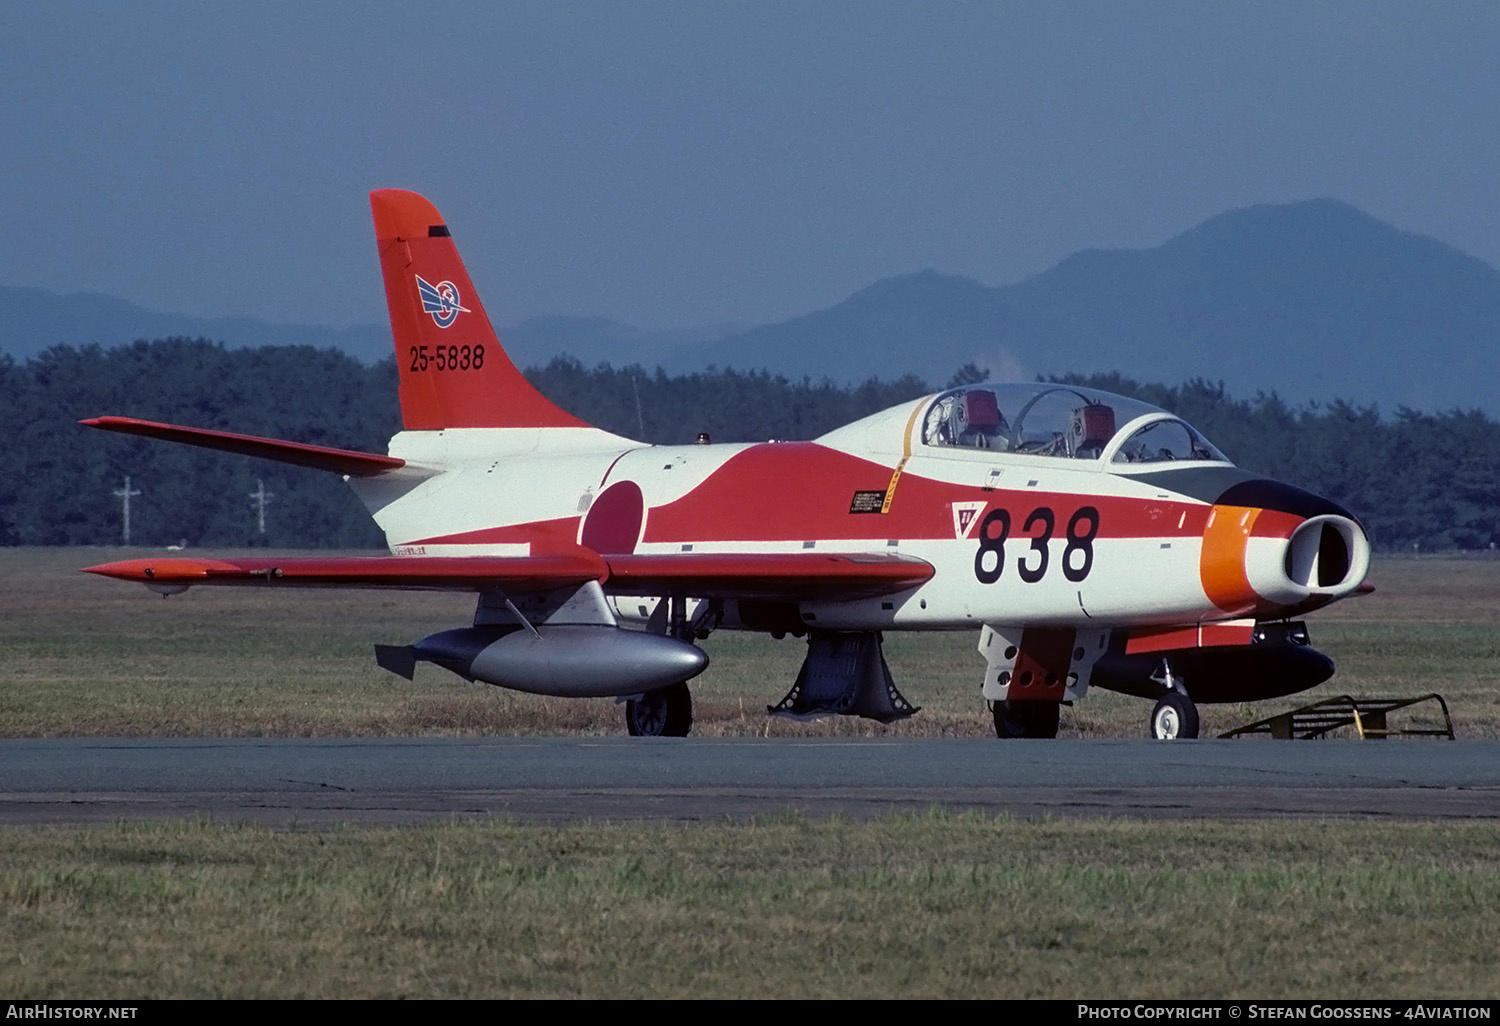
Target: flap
x: 791, y: 575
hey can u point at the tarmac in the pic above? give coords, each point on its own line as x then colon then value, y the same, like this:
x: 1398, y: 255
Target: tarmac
x: 319, y: 783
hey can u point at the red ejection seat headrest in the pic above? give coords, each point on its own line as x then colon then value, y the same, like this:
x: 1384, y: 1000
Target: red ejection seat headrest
x: 981, y: 411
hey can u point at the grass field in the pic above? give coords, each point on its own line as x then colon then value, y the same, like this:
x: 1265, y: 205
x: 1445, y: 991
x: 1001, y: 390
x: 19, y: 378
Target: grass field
x: 926, y: 906
x: 908, y: 906
x: 85, y: 655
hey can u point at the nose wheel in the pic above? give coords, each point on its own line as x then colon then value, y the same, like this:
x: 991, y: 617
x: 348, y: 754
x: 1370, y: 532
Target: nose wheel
x: 1175, y: 716
x: 665, y: 712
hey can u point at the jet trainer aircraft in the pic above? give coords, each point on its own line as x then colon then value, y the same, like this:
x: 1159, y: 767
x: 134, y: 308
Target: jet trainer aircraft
x: 1091, y: 540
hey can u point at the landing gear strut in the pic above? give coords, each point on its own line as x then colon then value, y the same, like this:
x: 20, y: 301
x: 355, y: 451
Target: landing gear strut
x: 665, y: 712
x: 668, y: 711
x: 1026, y: 719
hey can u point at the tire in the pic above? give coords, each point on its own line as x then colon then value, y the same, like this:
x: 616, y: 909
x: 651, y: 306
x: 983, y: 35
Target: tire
x: 665, y: 712
x: 1175, y: 717
x: 1026, y: 719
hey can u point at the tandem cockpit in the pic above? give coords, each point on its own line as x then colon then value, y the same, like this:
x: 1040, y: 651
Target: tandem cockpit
x: 1062, y: 422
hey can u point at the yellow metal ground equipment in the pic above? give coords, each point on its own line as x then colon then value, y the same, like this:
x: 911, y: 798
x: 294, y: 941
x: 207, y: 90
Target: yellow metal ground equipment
x: 1368, y: 716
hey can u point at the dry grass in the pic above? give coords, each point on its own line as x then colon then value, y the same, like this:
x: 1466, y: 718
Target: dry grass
x: 88, y: 656
x: 910, y: 906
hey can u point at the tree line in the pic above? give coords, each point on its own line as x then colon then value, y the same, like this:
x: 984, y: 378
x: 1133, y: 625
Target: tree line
x: 1430, y: 481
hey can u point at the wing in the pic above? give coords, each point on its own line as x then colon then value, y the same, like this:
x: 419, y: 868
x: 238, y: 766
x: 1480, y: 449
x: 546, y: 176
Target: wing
x: 339, y: 461
x: 447, y: 573
x: 791, y: 576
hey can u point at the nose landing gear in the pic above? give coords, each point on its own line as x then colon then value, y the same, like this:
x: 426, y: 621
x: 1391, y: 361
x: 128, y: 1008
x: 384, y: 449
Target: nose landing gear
x: 1175, y: 715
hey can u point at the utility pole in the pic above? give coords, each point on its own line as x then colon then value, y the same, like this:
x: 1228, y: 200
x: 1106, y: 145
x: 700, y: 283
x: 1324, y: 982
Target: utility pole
x: 262, y: 500
x: 125, y: 494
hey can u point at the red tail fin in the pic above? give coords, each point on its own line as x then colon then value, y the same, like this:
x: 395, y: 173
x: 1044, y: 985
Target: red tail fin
x: 454, y: 373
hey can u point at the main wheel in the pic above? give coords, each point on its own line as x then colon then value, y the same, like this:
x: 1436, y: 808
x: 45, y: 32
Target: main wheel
x: 665, y: 712
x: 1175, y: 716
x: 1026, y: 719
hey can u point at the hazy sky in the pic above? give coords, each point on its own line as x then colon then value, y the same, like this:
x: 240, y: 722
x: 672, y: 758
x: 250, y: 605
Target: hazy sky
x: 669, y: 164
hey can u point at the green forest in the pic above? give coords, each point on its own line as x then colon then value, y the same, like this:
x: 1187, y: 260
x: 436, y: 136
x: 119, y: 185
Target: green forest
x: 1418, y: 480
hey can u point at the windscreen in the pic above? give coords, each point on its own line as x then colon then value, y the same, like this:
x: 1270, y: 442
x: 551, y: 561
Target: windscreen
x: 1059, y: 421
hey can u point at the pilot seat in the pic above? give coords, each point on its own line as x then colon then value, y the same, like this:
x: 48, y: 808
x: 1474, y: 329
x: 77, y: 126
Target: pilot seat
x: 1092, y: 428
x: 977, y: 421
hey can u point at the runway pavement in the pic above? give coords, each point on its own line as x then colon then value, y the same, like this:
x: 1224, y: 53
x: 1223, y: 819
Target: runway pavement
x: 388, y: 781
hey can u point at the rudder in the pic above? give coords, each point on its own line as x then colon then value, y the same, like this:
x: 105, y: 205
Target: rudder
x: 453, y: 371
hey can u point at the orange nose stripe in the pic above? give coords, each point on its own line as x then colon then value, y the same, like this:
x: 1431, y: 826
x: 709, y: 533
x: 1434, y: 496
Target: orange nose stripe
x: 1222, y: 562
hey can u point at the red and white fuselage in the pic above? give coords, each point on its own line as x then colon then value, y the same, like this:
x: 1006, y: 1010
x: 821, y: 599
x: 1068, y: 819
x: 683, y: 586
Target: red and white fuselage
x: 1088, y: 541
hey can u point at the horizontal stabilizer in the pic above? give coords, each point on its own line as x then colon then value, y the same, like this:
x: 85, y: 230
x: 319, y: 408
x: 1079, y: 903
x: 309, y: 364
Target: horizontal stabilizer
x: 790, y: 575
x: 448, y: 573
x: 339, y: 461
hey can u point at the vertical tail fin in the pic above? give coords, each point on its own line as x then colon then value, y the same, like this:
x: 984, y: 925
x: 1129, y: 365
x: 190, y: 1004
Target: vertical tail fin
x: 454, y: 373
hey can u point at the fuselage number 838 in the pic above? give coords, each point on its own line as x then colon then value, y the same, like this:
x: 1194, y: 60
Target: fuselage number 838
x: 1031, y: 566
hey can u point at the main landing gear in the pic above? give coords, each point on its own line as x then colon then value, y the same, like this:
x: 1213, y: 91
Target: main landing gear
x: 665, y: 712
x: 1025, y: 719
x: 668, y: 711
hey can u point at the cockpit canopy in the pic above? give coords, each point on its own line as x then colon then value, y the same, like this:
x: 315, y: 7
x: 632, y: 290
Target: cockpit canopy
x: 1062, y: 421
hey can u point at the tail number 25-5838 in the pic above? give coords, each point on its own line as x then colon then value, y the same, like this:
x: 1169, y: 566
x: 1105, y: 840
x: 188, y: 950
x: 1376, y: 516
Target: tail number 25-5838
x: 444, y: 358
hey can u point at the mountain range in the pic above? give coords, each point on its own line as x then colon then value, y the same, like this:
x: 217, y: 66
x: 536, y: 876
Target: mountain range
x: 1314, y: 301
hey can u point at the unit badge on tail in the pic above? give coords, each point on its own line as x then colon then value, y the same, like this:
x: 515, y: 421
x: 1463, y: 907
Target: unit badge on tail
x: 441, y: 301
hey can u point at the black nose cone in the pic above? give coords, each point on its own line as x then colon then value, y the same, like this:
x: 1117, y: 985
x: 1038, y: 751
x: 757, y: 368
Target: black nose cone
x: 1264, y: 493
x: 1231, y: 486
